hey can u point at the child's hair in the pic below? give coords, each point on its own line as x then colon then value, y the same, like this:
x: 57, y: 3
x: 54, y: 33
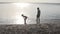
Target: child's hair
x: 22, y: 15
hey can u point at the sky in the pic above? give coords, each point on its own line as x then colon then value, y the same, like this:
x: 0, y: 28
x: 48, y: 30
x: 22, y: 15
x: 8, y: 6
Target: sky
x: 11, y: 12
x: 33, y: 1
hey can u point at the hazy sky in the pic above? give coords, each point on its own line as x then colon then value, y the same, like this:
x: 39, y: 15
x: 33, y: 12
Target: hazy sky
x: 12, y: 11
x: 33, y: 1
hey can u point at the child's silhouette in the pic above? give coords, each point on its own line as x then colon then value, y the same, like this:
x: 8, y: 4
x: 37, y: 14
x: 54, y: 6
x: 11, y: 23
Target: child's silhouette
x: 25, y: 18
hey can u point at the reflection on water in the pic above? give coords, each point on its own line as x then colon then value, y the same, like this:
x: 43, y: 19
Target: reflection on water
x: 29, y: 21
x: 19, y: 19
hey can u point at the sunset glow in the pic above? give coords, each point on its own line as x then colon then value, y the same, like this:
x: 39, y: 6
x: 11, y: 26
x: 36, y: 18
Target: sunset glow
x: 21, y: 5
